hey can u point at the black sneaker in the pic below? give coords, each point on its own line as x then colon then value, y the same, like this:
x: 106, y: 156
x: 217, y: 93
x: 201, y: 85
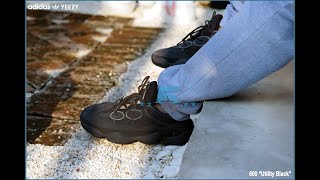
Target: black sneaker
x: 189, y: 45
x: 134, y: 118
x: 219, y: 4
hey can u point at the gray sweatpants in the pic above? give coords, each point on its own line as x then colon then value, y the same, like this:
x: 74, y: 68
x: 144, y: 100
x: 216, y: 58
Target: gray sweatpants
x: 256, y: 39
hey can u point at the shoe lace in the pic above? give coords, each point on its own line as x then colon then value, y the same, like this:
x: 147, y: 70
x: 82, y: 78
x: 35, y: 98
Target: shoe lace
x: 195, y: 33
x: 134, y: 98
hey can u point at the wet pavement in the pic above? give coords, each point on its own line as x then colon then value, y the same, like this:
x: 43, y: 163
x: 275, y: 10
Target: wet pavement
x: 72, y: 61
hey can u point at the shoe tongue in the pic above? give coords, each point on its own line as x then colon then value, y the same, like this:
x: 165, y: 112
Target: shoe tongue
x: 215, y: 21
x: 151, y: 92
x: 213, y: 25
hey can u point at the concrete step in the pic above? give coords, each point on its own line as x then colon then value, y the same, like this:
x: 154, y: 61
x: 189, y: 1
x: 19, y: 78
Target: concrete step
x: 251, y: 131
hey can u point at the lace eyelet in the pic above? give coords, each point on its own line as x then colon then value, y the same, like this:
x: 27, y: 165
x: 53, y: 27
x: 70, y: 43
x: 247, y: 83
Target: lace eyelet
x: 200, y: 41
x: 117, y: 119
x: 185, y: 44
x: 136, y: 110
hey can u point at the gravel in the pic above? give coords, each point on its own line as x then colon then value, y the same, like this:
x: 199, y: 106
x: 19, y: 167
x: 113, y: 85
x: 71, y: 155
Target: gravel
x: 86, y: 157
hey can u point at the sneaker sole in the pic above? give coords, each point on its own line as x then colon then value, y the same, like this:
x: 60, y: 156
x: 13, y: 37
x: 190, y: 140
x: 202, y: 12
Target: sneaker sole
x: 152, y: 138
x: 161, y: 62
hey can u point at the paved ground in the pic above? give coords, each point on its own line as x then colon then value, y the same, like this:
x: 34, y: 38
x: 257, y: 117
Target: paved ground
x: 76, y: 154
x: 72, y: 60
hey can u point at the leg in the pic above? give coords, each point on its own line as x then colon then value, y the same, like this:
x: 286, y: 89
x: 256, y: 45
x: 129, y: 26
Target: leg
x: 233, y: 8
x: 252, y: 45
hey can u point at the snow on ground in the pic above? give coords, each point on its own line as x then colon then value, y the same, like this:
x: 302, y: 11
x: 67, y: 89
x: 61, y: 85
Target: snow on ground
x: 84, y: 156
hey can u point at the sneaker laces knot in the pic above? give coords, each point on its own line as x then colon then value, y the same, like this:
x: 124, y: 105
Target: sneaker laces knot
x: 134, y: 98
x: 196, y: 32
